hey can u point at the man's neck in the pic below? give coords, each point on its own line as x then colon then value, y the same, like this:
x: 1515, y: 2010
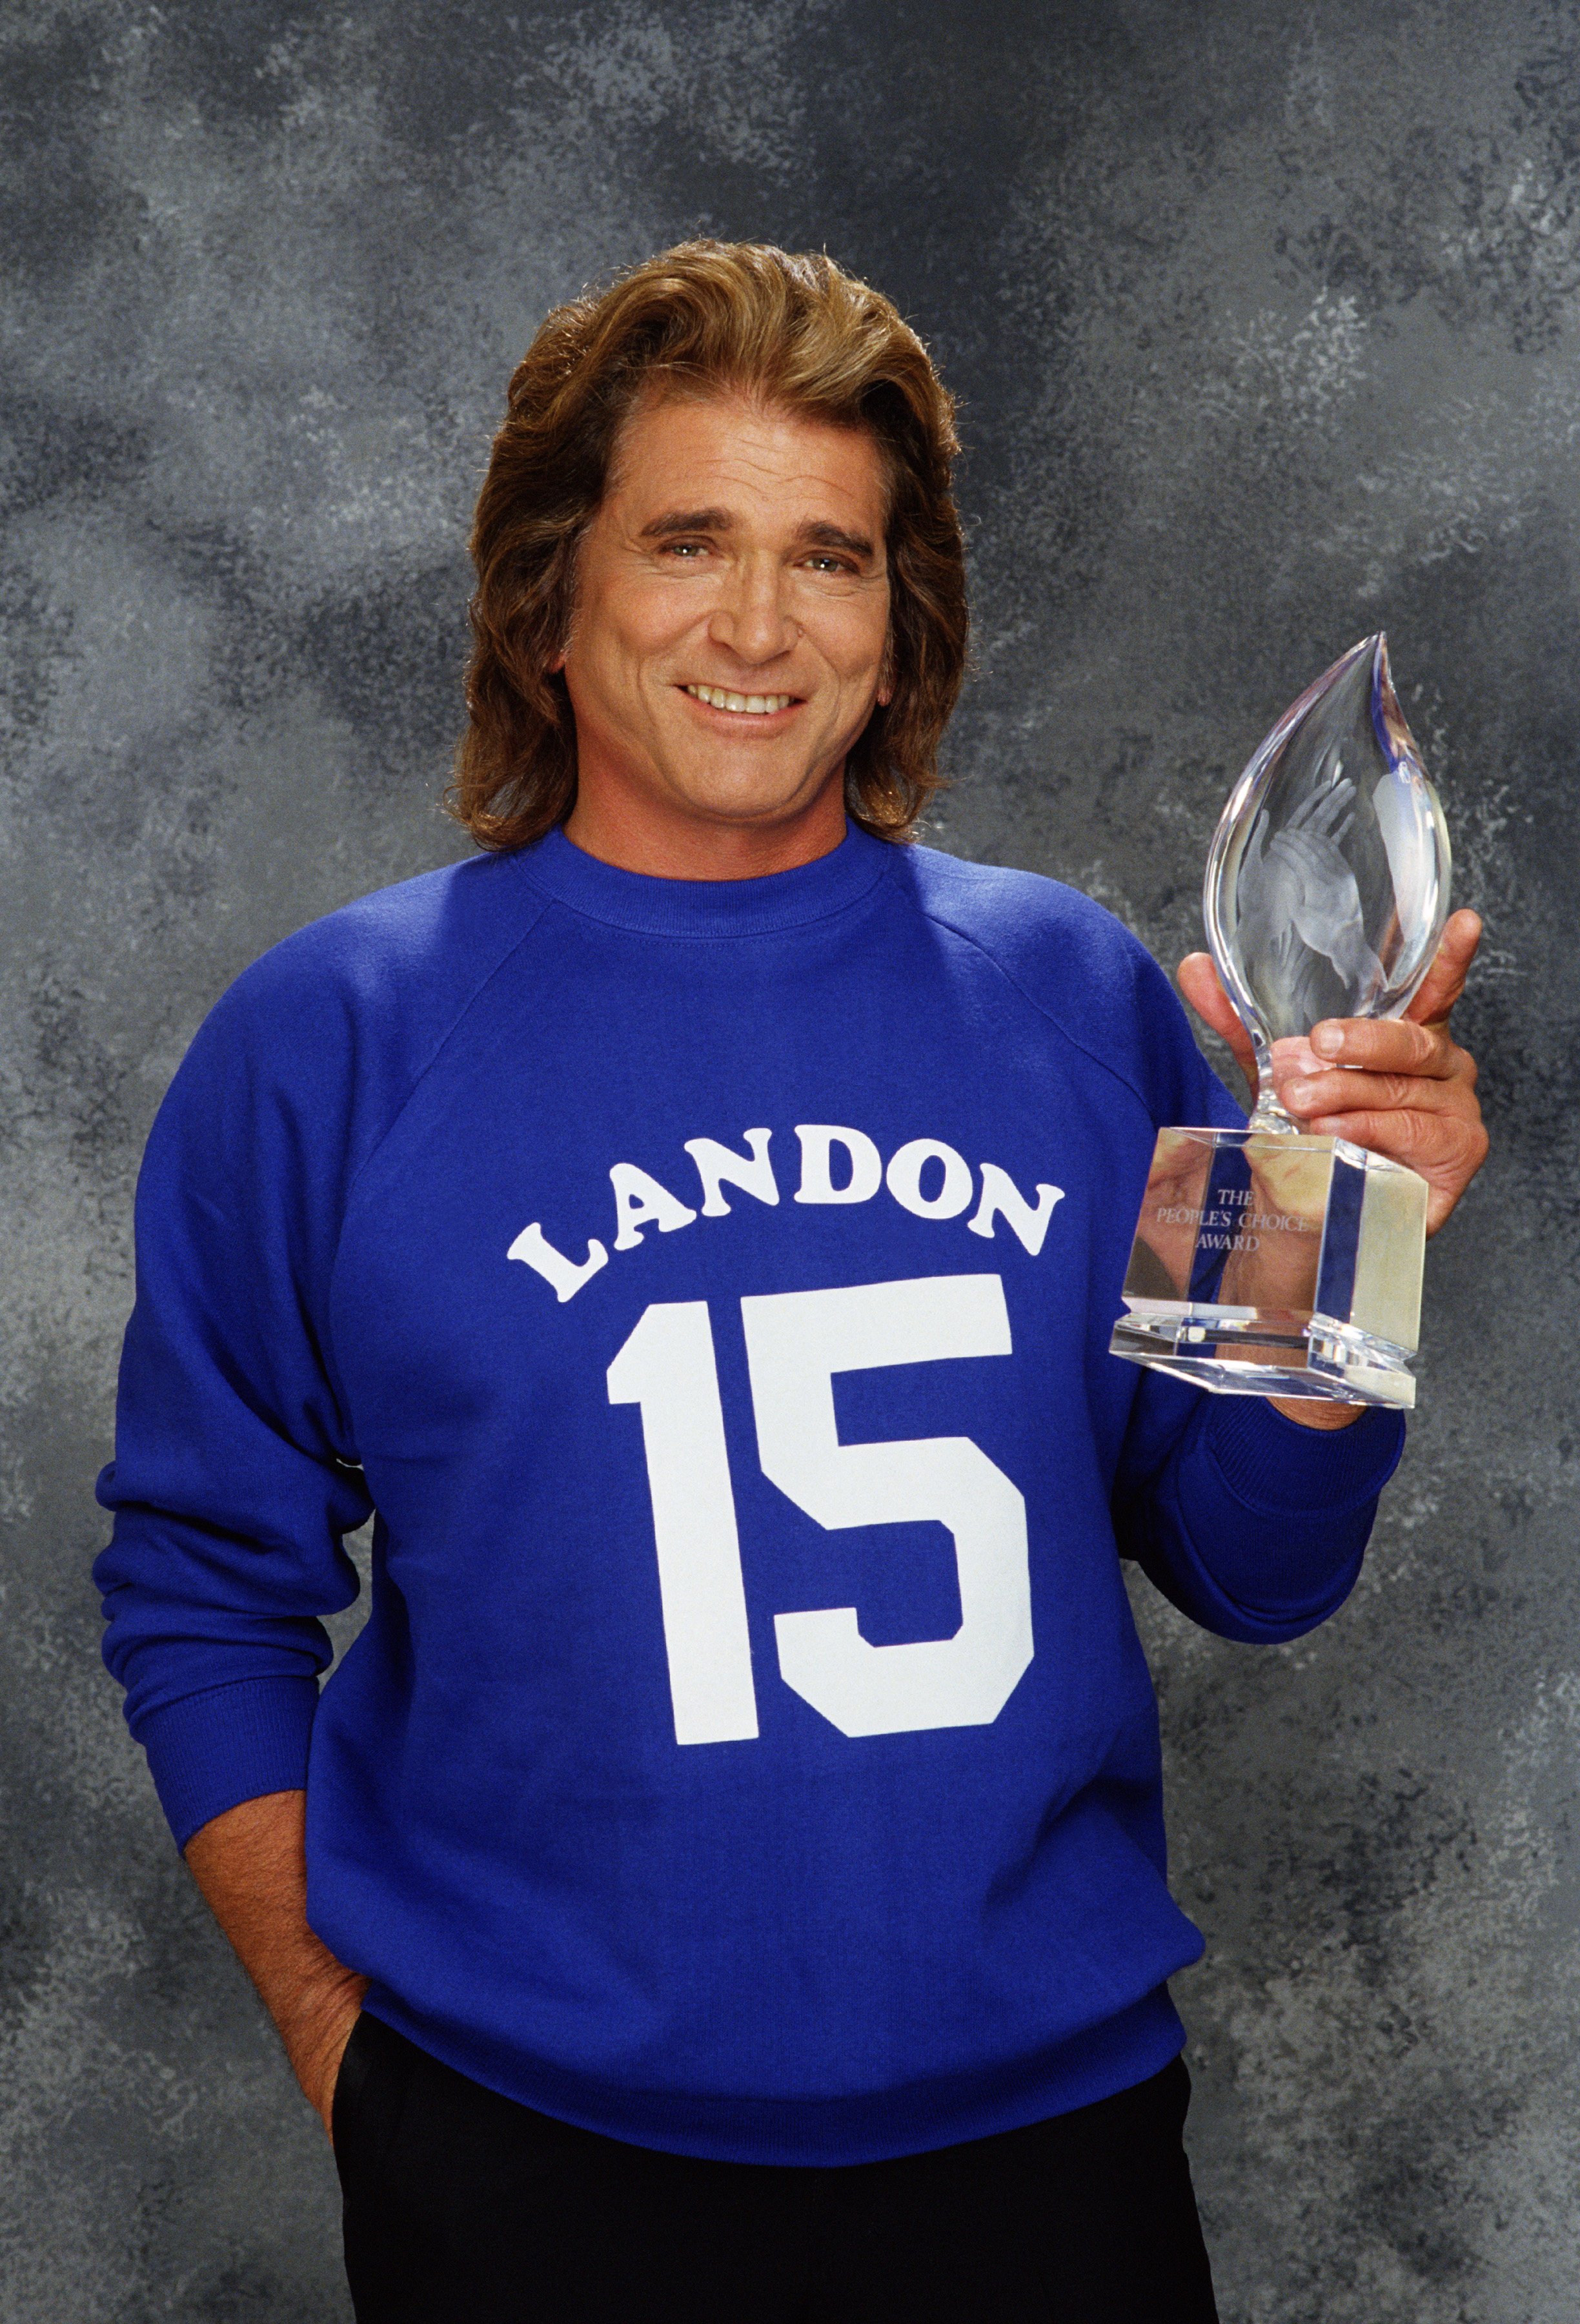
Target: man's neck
x: 636, y: 836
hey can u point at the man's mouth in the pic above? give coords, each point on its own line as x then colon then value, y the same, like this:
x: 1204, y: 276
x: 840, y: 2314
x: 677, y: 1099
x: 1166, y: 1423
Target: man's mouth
x: 756, y: 705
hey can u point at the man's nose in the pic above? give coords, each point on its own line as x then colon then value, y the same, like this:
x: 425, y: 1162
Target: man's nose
x: 752, y: 618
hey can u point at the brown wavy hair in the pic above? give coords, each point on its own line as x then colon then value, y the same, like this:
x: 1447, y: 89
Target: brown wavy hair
x: 703, y: 318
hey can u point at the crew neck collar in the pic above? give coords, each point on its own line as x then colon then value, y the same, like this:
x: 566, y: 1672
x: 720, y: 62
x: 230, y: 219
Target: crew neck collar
x: 706, y: 907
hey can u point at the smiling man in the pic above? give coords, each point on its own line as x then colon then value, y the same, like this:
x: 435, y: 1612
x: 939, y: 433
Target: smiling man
x: 725, y: 1880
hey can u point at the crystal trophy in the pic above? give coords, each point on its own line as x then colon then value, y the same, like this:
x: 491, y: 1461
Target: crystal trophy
x: 1269, y: 1262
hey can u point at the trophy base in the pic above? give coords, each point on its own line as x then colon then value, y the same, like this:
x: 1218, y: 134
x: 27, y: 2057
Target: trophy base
x: 1277, y: 1263
x: 1232, y: 1358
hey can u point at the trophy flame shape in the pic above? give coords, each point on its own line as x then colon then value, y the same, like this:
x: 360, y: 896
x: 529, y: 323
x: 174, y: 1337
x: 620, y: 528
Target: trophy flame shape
x: 1328, y: 884
x: 1269, y: 1261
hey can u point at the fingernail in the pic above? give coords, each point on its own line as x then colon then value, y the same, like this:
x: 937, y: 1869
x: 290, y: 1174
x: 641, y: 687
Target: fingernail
x: 1299, y: 1096
x: 1328, y: 1039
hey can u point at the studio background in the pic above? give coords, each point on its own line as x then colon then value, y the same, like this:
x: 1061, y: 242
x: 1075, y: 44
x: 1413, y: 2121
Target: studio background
x: 1265, y: 318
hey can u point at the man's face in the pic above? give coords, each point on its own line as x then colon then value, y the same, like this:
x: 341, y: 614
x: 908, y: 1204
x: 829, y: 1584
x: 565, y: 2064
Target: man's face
x: 731, y: 618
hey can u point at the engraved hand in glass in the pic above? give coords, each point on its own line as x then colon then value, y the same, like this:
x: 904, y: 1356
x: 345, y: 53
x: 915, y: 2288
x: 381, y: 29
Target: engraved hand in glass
x: 1328, y: 885
x: 1299, y: 897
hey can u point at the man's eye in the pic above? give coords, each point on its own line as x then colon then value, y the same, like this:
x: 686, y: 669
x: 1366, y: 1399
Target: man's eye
x: 688, y: 549
x: 830, y: 563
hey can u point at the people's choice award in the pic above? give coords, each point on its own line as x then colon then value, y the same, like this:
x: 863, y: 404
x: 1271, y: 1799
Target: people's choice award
x: 1269, y: 1262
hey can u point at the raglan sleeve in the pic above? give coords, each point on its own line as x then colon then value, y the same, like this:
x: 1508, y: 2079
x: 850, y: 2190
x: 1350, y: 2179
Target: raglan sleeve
x: 234, y: 1476
x: 1249, y: 1524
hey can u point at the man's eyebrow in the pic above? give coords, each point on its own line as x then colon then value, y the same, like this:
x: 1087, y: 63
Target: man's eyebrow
x: 706, y: 520
x: 833, y: 536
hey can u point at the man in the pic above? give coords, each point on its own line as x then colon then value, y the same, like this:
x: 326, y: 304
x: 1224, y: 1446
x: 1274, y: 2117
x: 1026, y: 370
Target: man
x: 693, y: 1226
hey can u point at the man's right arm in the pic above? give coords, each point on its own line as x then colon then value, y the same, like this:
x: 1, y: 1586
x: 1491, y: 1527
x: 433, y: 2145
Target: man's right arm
x: 250, y: 1865
x: 234, y: 1478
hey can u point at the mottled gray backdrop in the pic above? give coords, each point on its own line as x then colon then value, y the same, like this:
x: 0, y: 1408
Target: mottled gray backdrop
x: 1265, y: 317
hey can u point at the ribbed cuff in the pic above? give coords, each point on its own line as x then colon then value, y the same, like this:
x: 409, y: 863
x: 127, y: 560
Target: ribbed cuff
x: 211, y: 1751
x: 1272, y: 1464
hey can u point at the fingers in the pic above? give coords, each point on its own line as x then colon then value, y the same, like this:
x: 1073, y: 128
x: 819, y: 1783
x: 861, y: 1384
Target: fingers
x: 1432, y: 1126
x: 1439, y: 1145
x: 1199, y: 982
x: 1430, y: 1141
x: 1445, y: 979
x: 1314, y: 1097
x: 1400, y: 1087
x: 1447, y: 1149
x: 1380, y: 1045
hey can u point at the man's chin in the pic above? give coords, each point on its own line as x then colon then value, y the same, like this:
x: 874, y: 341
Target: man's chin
x: 749, y: 797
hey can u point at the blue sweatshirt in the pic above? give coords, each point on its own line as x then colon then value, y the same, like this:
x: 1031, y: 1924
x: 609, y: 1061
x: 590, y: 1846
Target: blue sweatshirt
x: 708, y: 1288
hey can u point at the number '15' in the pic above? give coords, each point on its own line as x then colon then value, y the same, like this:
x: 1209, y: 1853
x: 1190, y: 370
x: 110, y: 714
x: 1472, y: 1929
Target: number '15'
x: 795, y: 1341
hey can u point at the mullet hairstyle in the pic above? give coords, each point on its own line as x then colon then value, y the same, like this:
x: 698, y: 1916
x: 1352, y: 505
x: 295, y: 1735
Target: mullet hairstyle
x: 705, y: 317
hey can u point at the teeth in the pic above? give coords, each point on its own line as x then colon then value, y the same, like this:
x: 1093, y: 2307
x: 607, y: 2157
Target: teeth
x: 755, y: 705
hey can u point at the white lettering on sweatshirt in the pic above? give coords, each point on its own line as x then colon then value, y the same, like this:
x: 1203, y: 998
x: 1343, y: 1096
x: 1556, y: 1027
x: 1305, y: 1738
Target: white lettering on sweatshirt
x: 839, y: 1165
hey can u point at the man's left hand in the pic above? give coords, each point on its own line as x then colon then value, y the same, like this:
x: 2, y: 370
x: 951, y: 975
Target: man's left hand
x: 1397, y: 1085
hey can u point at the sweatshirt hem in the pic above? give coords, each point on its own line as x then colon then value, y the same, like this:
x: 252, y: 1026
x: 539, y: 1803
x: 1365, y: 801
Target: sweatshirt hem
x: 871, y: 2127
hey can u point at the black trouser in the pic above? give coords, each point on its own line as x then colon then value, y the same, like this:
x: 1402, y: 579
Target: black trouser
x: 463, y: 2208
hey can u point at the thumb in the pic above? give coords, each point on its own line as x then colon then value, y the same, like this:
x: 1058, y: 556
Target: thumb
x: 1445, y: 979
x: 1199, y: 983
